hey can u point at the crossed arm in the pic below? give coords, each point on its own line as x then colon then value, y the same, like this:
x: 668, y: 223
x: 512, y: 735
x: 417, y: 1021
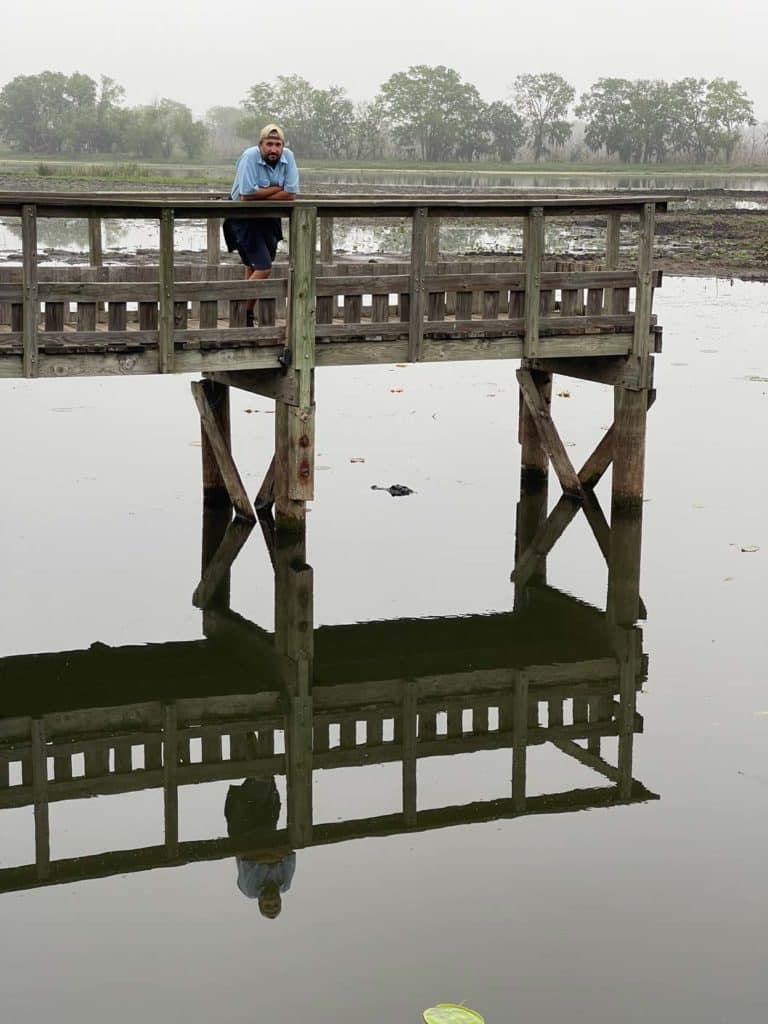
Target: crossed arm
x: 269, y: 192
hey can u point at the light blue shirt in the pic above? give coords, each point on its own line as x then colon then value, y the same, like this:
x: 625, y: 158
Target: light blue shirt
x: 253, y: 172
x: 252, y: 876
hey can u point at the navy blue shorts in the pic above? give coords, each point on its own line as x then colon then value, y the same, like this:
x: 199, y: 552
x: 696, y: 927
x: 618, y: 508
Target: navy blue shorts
x: 255, y: 239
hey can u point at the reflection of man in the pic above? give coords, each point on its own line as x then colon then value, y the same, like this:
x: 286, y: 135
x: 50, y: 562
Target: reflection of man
x: 264, y: 869
x: 265, y: 171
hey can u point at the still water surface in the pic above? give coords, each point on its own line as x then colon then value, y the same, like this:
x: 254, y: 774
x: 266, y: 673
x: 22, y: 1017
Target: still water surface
x: 652, y: 910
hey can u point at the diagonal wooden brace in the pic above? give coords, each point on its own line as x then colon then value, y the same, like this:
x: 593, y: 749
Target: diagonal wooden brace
x: 550, y: 439
x: 601, y: 458
x: 222, y: 454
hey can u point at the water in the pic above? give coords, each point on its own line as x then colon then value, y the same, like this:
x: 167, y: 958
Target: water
x: 648, y: 911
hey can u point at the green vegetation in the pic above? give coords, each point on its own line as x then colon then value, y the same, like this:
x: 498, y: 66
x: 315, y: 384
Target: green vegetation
x: 425, y: 115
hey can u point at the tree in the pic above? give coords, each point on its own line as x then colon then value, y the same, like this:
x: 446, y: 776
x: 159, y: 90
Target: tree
x: 543, y: 100
x: 163, y: 129
x: 223, y: 127
x: 634, y: 120
x: 434, y: 112
x: 728, y: 109
x: 506, y: 130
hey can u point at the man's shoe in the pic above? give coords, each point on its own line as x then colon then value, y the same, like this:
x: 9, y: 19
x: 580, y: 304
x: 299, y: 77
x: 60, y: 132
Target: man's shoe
x: 249, y: 318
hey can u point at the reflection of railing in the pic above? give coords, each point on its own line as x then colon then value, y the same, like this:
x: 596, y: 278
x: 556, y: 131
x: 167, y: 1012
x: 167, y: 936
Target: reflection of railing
x: 555, y: 671
x: 191, y: 320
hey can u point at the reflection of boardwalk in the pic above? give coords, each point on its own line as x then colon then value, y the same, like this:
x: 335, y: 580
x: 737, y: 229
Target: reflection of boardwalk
x: 247, y: 703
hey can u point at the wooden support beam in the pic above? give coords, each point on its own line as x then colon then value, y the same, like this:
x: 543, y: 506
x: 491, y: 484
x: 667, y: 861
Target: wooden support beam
x: 534, y: 463
x: 294, y: 463
x: 613, y: 229
x: 166, y: 320
x: 215, y: 493
x: 550, y: 439
x: 417, y: 293
x: 629, y: 426
x: 220, y: 449
x: 534, y: 257
x: 266, y: 495
x: 623, y: 604
x: 275, y: 384
x: 30, y: 303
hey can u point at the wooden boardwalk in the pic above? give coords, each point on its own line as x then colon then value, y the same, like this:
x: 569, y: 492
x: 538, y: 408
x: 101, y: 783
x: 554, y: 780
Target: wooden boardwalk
x: 592, y: 321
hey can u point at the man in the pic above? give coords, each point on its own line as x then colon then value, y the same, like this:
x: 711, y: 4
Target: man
x: 265, y: 171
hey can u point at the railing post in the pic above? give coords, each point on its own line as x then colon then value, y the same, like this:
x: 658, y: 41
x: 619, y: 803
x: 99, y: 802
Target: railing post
x: 95, y: 242
x: 326, y: 240
x: 165, y: 337
x: 213, y: 241
x: 30, y: 303
x: 170, y: 781
x: 417, y: 296
x: 295, y: 424
x: 613, y: 229
x: 644, y: 293
x: 534, y: 255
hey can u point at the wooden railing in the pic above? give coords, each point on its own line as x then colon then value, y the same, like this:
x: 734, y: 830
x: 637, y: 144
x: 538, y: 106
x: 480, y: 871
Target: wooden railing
x: 61, y: 321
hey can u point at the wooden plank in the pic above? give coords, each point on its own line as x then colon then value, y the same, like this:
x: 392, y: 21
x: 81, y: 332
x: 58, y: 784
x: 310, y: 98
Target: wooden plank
x: 519, y: 740
x: 30, y: 303
x: 613, y: 228
x: 301, y: 313
x: 86, y: 316
x: 534, y: 255
x: 416, y: 290
x: 408, y: 739
x: 221, y: 452
x: 326, y: 240
x: 550, y: 438
x: 166, y: 320
x: 644, y: 292
x: 213, y: 241
x: 95, y: 242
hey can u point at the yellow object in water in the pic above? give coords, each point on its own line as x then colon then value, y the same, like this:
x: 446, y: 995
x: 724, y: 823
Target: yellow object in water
x: 449, y: 1013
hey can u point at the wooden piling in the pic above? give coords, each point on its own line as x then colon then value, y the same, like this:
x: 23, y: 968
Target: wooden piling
x: 31, y: 310
x: 295, y: 424
x: 629, y: 426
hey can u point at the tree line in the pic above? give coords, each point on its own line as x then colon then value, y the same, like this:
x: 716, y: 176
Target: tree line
x: 425, y: 113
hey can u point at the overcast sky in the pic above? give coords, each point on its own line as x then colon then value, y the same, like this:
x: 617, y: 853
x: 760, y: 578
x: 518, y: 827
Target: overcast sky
x: 205, y: 53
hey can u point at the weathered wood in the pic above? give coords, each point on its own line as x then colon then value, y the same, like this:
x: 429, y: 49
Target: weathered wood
x: 613, y: 228
x: 30, y: 298
x: 95, y: 242
x: 213, y: 241
x: 220, y: 451
x: 274, y: 384
x: 644, y: 292
x: 86, y: 316
x: 266, y: 494
x: 417, y: 293
x: 117, y: 316
x: 550, y: 439
x: 166, y: 285
x: 433, y: 240
x: 326, y: 240
x: 54, y: 316
x: 629, y: 424
x: 294, y: 454
x: 534, y: 463
x: 534, y: 255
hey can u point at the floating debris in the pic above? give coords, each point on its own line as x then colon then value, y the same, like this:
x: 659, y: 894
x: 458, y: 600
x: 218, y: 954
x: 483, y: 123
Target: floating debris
x: 396, y: 490
x: 750, y: 548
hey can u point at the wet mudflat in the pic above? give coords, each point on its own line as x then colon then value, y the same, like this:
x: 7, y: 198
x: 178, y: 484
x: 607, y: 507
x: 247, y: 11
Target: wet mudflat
x: 651, y: 910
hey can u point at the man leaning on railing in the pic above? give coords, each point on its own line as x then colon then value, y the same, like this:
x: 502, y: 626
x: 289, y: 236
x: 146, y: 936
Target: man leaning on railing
x: 265, y: 171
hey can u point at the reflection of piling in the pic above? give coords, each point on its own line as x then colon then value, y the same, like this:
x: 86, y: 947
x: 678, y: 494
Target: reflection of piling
x: 294, y: 644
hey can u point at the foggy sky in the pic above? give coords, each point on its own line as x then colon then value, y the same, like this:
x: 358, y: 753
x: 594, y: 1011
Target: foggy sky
x: 206, y: 54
